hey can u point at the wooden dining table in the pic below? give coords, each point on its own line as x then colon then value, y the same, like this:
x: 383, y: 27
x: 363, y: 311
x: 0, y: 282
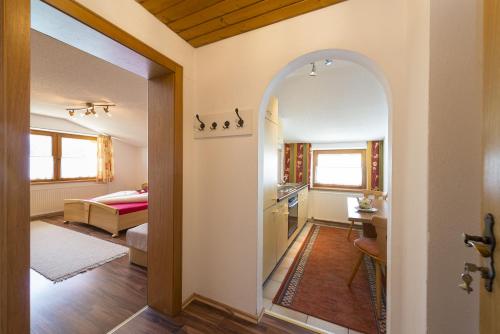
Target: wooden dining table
x: 353, y: 215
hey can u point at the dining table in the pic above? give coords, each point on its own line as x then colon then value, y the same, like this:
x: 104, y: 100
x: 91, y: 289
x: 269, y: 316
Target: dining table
x: 356, y: 216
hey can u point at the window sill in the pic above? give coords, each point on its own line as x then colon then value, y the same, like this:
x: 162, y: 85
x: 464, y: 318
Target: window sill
x: 62, y: 181
x: 342, y: 190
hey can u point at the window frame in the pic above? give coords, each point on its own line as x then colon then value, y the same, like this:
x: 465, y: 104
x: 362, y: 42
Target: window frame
x: 339, y: 186
x: 57, y: 156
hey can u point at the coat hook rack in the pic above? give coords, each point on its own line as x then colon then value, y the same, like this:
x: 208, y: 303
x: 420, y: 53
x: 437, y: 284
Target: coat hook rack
x: 226, y: 125
x: 213, y: 126
x: 202, y: 125
x: 240, y: 121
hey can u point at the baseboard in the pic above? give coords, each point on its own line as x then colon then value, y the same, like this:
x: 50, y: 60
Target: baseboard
x: 46, y: 215
x: 221, y: 306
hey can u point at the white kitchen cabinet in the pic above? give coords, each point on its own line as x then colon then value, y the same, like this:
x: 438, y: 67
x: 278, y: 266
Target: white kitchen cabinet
x: 275, y: 236
x: 269, y: 244
x: 281, y: 221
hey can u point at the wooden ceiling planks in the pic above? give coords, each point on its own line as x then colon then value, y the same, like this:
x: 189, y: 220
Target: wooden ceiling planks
x: 202, y: 22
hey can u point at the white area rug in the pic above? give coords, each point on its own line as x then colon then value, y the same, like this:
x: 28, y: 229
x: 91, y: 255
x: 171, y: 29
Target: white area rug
x: 59, y: 253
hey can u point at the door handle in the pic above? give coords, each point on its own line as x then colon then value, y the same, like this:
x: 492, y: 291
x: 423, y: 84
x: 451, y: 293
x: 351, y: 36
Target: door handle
x: 485, y: 245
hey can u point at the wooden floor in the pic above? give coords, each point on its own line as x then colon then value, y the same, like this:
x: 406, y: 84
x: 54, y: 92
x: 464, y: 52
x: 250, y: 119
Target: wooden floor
x: 91, y: 302
x: 101, y: 299
x: 87, y: 229
x: 201, y: 318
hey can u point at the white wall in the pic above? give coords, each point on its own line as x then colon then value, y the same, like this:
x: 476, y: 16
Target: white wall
x: 329, y: 205
x: 143, y: 167
x: 130, y: 170
x: 129, y: 167
x: 454, y: 162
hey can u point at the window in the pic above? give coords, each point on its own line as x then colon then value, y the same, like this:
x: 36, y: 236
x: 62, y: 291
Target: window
x: 339, y: 169
x: 62, y: 157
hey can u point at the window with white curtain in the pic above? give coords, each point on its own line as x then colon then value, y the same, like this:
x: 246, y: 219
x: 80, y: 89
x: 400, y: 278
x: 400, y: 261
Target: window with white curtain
x: 339, y: 169
x: 58, y: 156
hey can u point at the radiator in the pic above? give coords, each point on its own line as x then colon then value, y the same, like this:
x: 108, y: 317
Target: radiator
x: 50, y: 198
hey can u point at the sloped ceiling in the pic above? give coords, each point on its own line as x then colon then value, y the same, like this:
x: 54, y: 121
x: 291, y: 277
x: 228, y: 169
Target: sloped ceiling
x: 202, y: 22
x: 344, y: 102
x: 63, y: 76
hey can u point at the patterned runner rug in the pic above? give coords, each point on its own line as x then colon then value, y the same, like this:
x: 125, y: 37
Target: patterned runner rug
x: 316, y: 283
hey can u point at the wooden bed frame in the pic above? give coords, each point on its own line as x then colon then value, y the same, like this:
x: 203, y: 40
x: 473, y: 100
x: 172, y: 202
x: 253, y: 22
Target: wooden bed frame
x: 101, y: 215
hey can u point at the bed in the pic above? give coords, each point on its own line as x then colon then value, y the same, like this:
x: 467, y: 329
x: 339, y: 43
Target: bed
x: 137, y: 240
x: 112, y: 212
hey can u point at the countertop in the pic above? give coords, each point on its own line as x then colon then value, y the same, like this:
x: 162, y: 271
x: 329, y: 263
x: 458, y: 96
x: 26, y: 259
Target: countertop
x: 290, y: 190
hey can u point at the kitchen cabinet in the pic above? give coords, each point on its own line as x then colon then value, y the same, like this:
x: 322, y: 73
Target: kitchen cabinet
x: 269, y: 244
x: 281, y: 221
x: 275, y: 238
x: 275, y: 230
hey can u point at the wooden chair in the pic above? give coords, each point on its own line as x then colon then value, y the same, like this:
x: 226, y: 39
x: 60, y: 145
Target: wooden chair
x: 377, y: 250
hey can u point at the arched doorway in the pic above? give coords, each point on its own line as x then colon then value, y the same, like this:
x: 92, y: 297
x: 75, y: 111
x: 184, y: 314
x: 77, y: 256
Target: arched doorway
x: 305, y: 60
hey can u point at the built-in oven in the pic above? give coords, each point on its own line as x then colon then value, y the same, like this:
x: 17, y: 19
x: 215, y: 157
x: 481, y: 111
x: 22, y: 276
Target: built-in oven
x: 293, y: 213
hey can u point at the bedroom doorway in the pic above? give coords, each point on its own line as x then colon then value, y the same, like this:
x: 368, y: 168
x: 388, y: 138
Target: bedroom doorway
x: 100, y: 38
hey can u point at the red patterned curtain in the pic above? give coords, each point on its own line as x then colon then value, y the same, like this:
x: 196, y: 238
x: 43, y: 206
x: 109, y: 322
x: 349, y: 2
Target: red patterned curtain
x: 375, y: 165
x: 297, y: 163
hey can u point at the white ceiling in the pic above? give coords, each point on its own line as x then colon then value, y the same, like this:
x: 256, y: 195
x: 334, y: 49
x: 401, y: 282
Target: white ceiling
x: 343, y: 103
x: 63, y: 76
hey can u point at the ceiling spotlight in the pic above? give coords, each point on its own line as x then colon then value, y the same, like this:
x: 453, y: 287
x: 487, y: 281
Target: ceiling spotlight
x: 313, y: 70
x: 71, y: 112
x: 328, y: 62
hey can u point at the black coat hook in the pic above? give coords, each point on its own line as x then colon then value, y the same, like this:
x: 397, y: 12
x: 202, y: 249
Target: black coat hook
x: 226, y: 124
x: 240, y: 120
x: 202, y: 125
x: 214, y: 126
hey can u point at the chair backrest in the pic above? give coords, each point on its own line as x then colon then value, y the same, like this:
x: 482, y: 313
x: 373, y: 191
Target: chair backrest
x: 380, y: 225
x: 375, y: 194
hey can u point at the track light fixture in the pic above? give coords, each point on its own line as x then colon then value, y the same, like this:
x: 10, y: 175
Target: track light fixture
x: 313, y: 70
x: 90, y: 109
x: 328, y: 62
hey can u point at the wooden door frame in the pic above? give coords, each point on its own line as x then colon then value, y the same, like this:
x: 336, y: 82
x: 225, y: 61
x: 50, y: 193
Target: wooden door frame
x: 165, y: 105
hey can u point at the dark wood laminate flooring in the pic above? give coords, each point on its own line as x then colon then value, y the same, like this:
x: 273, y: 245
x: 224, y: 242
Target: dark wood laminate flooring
x: 99, y: 300
x: 87, y: 229
x: 92, y: 302
x: 200, y: 318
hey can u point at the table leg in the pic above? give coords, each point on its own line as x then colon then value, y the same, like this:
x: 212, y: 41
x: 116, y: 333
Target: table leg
x: 350, y: 230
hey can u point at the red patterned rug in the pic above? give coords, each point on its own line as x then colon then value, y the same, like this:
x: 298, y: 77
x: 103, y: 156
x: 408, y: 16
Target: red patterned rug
x: 316, y: 283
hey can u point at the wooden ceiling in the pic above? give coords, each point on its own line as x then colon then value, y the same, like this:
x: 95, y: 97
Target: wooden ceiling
x: 202, y: 22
